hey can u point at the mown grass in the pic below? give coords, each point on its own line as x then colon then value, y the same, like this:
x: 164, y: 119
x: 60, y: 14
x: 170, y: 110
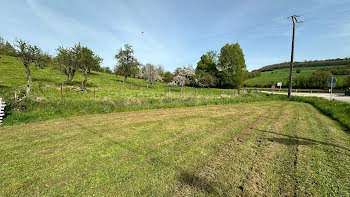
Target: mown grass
x: 256, y: 149
x: 266, y: 79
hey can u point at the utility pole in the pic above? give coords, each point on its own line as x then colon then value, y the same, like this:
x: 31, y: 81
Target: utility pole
x: 294, y: 19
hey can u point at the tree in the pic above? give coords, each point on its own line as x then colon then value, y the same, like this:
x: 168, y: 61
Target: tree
x: 65, y: 63
x: 88, y: 61
x: 232, y: 65
x: 205, y: 79
x: 319, y: 79
x: 127, y: 64
x: 206, y: 70
x: 301, y: 81
x: 167, y: 76
x: 183, y: 76
x: 29, y: 54
x: 151, y: 73
x: 6, y: 48
x: 208, y: 63
x: 107, y: 70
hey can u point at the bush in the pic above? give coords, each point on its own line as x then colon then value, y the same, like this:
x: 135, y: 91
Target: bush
x: 298, y: 70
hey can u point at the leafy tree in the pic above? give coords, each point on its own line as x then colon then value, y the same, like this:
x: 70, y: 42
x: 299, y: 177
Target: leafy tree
x: 88, y: 61
x: 206, y: 70
x: 232, y: 65
x: 29, y: 54
x: 301, y: 81
x: 127, y: 64
x: 65, y: 63
x: 183, y: 76
x: 6, y: 48
x: 167, y: 76
x: 205, y: 79
x: 107, y: 70
x: 151, y: 73
x: 319, y: 79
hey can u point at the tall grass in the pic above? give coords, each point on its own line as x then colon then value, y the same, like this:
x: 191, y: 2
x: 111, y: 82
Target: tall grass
x: 337, y: 110
x: 36, y: 110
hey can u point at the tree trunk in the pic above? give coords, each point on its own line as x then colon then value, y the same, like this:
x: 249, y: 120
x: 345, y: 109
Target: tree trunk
x: 151, y: 85
x: 28, y: 89
x: 125, y: 79
x: 67, y: 79
x: 85, y: 75
x: 71, y: 77
x: 29, y: 78
x: 181, y: 89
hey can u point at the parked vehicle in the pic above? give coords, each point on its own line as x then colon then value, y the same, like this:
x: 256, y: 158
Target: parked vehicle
x: 347, y: 92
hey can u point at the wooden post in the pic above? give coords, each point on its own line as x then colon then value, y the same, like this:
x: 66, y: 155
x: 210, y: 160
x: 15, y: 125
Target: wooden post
x: 294, y: 20
x: 62, y: 90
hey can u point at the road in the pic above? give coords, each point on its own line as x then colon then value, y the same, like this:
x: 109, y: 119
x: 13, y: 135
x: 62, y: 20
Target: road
x: 336, y: 96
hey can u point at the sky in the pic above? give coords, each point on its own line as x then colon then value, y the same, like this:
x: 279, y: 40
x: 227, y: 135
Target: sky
x: 177, y: 33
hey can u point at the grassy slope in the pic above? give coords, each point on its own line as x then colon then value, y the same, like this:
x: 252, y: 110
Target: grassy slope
x: 266, y: 148
x: 281, y: 75
x: 111, y: 94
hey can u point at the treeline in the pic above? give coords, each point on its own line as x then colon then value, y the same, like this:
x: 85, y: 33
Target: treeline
x: 314, y: 63
x: 318, y: 80
x: 226, y: 69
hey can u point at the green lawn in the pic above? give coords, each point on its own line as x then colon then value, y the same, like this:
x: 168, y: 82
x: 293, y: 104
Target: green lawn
x: 281, y: 75
x: 257, y: 149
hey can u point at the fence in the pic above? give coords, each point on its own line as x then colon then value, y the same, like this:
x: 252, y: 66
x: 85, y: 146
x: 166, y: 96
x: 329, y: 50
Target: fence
x: 2, y: 110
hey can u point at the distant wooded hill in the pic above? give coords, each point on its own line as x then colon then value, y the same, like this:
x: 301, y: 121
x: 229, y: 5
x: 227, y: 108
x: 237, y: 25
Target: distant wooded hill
x: 315, y: 63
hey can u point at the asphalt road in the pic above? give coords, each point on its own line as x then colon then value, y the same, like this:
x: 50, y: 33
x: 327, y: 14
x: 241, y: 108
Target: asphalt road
x: 336, y: 96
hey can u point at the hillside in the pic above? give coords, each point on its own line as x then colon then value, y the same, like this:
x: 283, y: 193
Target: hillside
x: 107, y: 93
x: 281, y: 74
x: 315, y: 63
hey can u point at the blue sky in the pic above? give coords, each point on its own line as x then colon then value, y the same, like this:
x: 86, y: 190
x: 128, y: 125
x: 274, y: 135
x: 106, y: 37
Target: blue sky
x: 177, y: 33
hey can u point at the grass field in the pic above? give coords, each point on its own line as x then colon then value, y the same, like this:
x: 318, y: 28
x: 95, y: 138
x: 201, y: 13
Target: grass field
x: 257, y: 149
x: 107, y: 93
x: 266, y: 79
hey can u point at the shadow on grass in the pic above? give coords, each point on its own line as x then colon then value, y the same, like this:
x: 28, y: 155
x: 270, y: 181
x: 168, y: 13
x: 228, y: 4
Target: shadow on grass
x: 294, y: 140
x: 197, y: 182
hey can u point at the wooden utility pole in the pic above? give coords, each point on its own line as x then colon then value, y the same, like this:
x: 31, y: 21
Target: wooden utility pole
x: 294, y: 19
